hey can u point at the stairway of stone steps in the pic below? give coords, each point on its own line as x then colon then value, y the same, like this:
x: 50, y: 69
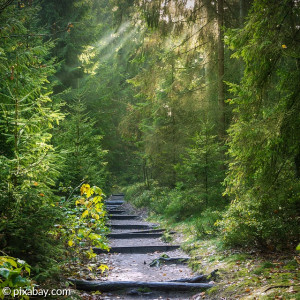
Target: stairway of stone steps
x: 135, y: 244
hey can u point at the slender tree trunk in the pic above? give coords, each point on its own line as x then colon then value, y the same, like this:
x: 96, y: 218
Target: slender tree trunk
x: 206, y: 168
x: 16, y: 131
x: 145, y: 173
x: 242, y: 18
x: 211, y: 68
x: 242, y: 12
x: 173, y: 134
x: 147, y: 177
x: 221, y: 93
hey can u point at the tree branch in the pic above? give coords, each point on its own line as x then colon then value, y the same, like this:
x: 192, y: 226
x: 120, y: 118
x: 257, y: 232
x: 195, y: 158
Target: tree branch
x: 5, y: 5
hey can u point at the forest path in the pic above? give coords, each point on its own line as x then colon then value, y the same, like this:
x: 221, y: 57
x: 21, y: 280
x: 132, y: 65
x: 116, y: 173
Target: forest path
x: 135, y: 243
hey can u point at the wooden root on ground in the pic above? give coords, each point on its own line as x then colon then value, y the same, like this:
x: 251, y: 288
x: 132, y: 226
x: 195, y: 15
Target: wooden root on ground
x: 199, y: 278
x: 168, y: 260
x: 108, y: 286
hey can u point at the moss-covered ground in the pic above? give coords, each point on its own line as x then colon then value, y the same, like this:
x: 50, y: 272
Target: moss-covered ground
x: 243, y: 273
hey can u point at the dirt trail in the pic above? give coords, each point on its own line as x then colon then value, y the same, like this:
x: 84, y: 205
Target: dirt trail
x: 141, y: 264
x: 135, y: 267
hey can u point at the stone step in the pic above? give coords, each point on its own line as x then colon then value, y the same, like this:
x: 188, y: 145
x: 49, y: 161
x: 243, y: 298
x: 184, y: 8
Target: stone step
x: 128, y: 235
x: 123, y: 217
x: 131, y: 226
x: 112, y: 207
x: 116, y: 197
x: 116, y: 211
x: 138, y: 249
x: 150, y: 231
x: 114, y: 202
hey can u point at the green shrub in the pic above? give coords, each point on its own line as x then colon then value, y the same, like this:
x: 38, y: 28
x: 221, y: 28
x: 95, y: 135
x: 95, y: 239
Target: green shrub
x: 265, y: 223
x: 14, y: 274
x: 205, y: 225
x: 176, y: 204
x: 133, y: 191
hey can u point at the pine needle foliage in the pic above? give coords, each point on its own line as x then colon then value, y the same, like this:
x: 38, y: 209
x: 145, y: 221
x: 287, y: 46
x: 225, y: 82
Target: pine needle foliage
x: 264, y: 143
x: 28, y: 162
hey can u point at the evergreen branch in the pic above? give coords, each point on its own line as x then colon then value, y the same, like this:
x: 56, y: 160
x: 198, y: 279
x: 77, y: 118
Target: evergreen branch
x: 74, y: 190
x: 5, y: 5
x: 35, y: 34
x: 25, y: 97
x: 185, y: 19
x: 30, y: 167
x: 4, y: 95
x: 188, y: 38
x: 193, y: 90
x: 187, y: 51
x: 24, y: 35
x: 10, y: 92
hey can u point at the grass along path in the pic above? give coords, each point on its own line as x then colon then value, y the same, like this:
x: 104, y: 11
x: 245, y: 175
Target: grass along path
x: 243, y: 274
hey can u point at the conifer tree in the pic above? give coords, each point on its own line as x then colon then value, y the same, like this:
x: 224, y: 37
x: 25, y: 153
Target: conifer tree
x: 81, y: 147
x: 28, y: 162
x: 263, y: 177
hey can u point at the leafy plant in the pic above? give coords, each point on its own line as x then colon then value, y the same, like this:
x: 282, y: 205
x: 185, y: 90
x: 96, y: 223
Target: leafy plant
x: 84, y: 225
x: 14, y: 273
x: 206, y: 224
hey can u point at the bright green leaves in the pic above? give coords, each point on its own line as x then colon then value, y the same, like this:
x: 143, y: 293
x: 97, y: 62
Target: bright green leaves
x: 14, y: 273
x: 83, y: 229
x: 70, y: 243
x: 84, y: 221
x: 88, y: 191
x: 84, y: 214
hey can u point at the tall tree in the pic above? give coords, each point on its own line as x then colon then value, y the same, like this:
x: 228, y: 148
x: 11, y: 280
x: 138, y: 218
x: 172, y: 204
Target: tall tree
x: 221, y: 90
x: 264, y: 144
x: 29, y: 164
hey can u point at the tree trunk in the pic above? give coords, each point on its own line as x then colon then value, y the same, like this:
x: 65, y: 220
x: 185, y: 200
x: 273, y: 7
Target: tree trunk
x: 242, y: 12
x: 221, y: 94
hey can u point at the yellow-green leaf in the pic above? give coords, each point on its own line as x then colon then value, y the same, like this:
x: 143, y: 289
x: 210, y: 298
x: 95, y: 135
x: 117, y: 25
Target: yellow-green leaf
x: 103, y: 268
x: 27, y: 269
x: 12, y: 262
x: 84, y: 214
